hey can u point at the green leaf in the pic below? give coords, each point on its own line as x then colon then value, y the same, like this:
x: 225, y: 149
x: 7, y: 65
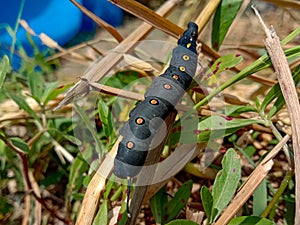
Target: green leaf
x: 23, y: 105
x: 209, y: 128
x: 78, y: 167
x: 68, y: 137
x: 250, y: 220
x: 215, y: 126
x: 207, y: 200
x: 236, y: 110
x: 224, y: 16
x: 52, y: 178
x: 173, y: 207
x: 221, y: 64
x: 106, y: 119
x: 157, y: 203
x: 52, y: 91
x: 36, y: 85
x: 182, y: 222
x: 18, y: 142
x: 102, y: 215
x: 4, y: 67
x: 260, y: 64
x: 275, y: 92
x: 260, y: 198
x: 226, y: 183
x: 6, y: 209
x: 91, y: 129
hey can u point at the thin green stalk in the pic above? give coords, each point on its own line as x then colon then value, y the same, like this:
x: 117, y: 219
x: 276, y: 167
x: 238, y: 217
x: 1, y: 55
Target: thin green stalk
x: 278, y: 194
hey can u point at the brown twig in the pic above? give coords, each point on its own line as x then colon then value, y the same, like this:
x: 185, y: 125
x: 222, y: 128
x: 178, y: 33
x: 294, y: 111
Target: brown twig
x: 290, y: 95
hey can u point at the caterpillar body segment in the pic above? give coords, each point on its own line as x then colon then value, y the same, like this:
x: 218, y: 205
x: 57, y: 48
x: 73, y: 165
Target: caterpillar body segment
x: 160, y: 99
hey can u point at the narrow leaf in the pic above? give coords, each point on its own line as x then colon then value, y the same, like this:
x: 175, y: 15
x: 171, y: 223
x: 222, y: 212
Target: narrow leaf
x: 91, y: 129
x: 52, y: 91
x: 70, y: 138
x: 250, y: 220
x: 236, y: 110
x: 209, y: 128
x: 260, y: 198
x: 221, y: 64
x: 23, y: 104
x: 102, y: 215
x: 173, y: 207
x: 4, y: 67
x: 182, y: 222
x: 106, y: 119
x: 78, y: 167
x: 275, y: 92
x: 226, y: 183
x: 224, y: 16
x: 36, y: 85
x: 18, y: 142
x: 157, y: 203
x: 207, y: 200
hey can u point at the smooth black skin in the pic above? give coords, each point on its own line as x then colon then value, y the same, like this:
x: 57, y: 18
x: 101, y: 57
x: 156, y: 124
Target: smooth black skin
x: 129, y: 162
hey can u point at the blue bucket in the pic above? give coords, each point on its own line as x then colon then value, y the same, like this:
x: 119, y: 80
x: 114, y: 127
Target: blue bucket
x: 59, y: 19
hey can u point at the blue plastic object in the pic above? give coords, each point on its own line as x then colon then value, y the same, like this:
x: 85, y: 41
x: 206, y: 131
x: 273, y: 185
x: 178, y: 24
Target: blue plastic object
x: 103, y: 9
x: 59, y: 19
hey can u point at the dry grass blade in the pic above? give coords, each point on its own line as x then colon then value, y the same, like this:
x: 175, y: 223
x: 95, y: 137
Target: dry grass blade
x: 290, y: 95
x: 206, y: 13
x: 99, y: 22
x: 285, y: 3
x: 93, y: 194
x: 97, y: 72
x: 116, y: 91
x: 149, y: 16
x: 250, y: 184
x: 74, y: 48
x: 158, y: 22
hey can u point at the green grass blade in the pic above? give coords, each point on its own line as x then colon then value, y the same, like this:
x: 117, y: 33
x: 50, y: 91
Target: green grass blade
x: 102, y: 215
x: 106, y: 119
x: 207, y: 200
x: 4, y: 67
x: 260, y: 198
x: 173, y: 207
x: 250, y: 220
x: 36, y: 85
x: 224, y: 16
x: 182, y: 222
x: 23, y: 105
x: 91, y: 129
x: 157, y: 203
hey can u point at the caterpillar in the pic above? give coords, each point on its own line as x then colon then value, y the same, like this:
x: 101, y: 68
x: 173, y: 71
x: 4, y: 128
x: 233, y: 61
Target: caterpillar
x: 160, y: 99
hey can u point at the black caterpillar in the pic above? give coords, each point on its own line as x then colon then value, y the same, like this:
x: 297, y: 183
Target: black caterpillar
x: 161, y: 98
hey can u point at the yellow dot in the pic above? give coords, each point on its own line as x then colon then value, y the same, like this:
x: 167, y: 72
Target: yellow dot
x: 185, y: 57
x: 153, y: 102
x: 182, y: 68
x: 167, y: 86
x: 175, y: 76
x: 130, y: 144
x: 188, y: 45
x: 139, y: 120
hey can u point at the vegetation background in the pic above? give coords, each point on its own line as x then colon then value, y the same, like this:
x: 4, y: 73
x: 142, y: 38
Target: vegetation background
x: 50, y: 159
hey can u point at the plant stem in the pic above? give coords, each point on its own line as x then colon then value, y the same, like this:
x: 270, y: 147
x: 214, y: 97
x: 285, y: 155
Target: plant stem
x: 276, y: 197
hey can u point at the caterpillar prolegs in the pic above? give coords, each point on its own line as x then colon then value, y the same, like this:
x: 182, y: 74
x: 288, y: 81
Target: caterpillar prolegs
x: 160, y: 99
